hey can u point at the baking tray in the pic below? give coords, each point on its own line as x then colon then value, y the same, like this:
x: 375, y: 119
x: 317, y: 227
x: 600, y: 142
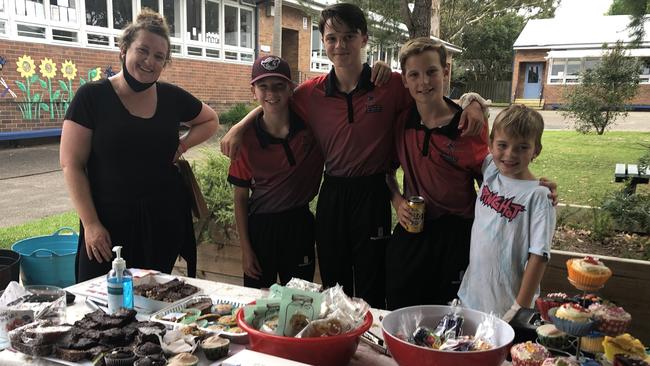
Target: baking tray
x: 179, y: 306
x: 147, y: 305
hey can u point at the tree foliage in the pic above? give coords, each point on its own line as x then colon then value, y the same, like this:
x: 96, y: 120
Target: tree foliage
x: 485, y: 29
x: 637, y: 9
x: 600, y: 98
x: 487, y: 53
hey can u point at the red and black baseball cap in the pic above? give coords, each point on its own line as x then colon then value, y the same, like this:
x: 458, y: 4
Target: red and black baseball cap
x: 266, y: 66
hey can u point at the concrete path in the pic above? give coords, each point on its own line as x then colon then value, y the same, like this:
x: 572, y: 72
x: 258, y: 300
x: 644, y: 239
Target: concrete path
x: 32, y: 187
x: 554, y: 120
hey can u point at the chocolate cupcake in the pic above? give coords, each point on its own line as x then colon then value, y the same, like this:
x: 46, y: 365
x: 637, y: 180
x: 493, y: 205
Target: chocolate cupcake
x: 148, y: 348
x: 120, y: 356
x: 151, y: 360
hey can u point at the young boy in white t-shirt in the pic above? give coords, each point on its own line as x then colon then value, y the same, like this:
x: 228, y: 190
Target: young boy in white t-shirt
x: 514, y: 220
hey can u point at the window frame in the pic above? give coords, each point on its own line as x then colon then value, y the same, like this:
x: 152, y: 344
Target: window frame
x: 644, y: 78
x: 181, y: 44
x: 318, y: 61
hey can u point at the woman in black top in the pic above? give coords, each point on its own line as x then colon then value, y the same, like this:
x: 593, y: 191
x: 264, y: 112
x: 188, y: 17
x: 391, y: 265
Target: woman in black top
x: 118, y: 147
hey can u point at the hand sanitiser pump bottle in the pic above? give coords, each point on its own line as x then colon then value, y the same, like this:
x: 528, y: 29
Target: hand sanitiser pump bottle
x: 120, y: 284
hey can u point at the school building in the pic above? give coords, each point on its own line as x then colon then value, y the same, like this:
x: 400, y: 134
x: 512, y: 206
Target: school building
x: 48, y: 48
x: 551, y: 53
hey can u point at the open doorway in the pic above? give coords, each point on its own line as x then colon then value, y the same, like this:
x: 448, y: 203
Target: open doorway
x: 290, y: 51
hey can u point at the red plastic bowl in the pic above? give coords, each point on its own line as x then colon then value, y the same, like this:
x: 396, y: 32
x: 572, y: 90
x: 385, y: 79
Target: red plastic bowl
x: 405, y: 320
x: 324, y: 351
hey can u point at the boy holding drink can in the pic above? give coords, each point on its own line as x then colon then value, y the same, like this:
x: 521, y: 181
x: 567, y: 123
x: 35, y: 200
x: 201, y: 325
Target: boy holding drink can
x: 440, y: 167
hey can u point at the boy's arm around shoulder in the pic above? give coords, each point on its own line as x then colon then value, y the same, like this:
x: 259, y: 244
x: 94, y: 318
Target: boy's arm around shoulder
x: 232, y: 140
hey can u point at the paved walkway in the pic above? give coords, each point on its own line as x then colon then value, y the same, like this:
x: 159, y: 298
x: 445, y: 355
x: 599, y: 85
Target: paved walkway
x: 32, y: 187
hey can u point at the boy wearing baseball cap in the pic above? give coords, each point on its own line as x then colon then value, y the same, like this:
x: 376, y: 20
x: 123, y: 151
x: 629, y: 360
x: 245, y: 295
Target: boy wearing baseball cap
x: 277, y: 174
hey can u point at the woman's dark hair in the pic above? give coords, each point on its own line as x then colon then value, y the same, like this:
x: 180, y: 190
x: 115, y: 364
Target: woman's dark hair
x: 345, y: 13
x: 150, y: 21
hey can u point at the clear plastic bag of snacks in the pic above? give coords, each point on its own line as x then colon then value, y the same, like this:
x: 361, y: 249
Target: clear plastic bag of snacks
x: 335, y: 299
x: 334, y: 324
x: 301, y: 284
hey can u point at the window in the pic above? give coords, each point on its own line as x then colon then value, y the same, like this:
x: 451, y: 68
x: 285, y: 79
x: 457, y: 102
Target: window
x: 211, y: 29
x: 246, y: 28
x: 34, y: 10
x: 644, y: 70
x: 565, y: 71
x: 63, y: 11
x: 591, y: 63
x: 319, y: 60
x: 151, y: 4
x: 230, y: 24
x: 317, y: 48
x: 212, y: 22
x: 122, y: 13
x: 64, y: 36
x: 194, y: 19
x: 96, y: 13
x: 31, y: 31
x: 172, y: 11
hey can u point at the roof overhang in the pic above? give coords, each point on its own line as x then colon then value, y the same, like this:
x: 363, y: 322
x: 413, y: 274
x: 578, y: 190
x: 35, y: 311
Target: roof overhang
x: 594, y: 52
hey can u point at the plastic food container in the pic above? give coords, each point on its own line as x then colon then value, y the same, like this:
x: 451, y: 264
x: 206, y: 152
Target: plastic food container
x: 406, y: 353
x: 323, y: 351
x: 239, y: 338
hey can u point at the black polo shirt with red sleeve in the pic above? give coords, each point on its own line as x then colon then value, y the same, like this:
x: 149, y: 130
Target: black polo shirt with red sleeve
x: 439, y: 164
x: 282, y: 173
x: 355, y: 130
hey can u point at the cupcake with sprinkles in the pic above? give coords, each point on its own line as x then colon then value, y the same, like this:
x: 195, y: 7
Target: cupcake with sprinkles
x: 572, y: 319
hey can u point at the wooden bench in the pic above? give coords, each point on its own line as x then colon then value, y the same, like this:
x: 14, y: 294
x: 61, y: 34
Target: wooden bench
x: 631, y: 172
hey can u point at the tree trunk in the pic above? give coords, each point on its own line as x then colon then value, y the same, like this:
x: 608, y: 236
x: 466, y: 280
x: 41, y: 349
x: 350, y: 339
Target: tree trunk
x: 277, y: 28
x: 435, y: 18
x: 421, y: 19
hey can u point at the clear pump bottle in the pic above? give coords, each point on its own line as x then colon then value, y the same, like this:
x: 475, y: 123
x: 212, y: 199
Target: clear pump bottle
x: 120, y: 284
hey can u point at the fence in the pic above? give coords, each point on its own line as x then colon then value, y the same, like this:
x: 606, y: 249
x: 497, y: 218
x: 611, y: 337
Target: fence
x: 498, y: 91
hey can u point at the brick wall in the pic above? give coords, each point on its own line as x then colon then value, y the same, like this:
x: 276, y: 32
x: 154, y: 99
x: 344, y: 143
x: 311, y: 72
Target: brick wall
x: 552, y: 93
x: 518, y: 72
x: 291, y: 19
x: 219, y: 84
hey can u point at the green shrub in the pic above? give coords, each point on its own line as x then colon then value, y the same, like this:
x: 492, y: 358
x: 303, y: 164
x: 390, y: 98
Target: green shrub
x: 630, y: 211
x: 235, y: 114
x: 601, y: 225
x: 211, y: 174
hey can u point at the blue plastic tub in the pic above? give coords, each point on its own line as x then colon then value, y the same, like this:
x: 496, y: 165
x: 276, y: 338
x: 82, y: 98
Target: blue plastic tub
x: 49, y: 259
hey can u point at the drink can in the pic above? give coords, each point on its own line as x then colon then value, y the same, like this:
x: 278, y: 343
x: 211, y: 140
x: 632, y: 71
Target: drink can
x: 416, y: 203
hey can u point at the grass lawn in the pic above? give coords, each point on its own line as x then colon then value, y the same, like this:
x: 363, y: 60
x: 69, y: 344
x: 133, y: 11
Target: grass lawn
x: 45, y: 226
x: 583, y: 165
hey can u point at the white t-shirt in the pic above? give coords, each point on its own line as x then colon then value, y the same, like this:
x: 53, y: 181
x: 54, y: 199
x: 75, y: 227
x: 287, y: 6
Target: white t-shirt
x: 513, y: 218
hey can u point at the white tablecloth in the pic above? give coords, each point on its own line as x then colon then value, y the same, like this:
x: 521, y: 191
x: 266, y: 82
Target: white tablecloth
x: 365, y: 355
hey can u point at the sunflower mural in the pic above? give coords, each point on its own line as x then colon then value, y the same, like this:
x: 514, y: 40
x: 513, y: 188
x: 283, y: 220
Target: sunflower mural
x: 60, y: 92
x: 27, y: 69
x: 48, y: 71
x: 69, y: 72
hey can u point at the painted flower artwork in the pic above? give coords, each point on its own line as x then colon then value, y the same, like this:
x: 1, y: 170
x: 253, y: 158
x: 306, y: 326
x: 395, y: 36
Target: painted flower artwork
x: 26, y: 66
x: 48, y: 68
x: 69, y: 70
